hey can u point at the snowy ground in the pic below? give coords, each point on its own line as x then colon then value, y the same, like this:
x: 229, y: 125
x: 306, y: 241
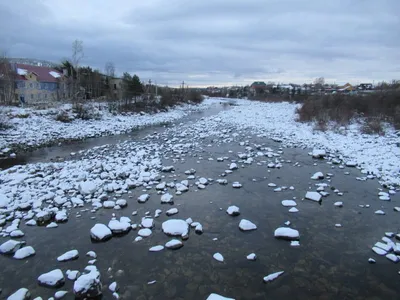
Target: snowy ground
x: 41, y: 128
x: 377, y: 154
x: 261, y: 218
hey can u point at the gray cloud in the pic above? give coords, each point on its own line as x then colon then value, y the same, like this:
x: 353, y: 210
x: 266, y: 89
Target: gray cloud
x: 218, y: 42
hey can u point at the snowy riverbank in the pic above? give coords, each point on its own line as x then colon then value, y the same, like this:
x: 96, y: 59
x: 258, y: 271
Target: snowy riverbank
x: 34, y: 128
x: 373, y: 153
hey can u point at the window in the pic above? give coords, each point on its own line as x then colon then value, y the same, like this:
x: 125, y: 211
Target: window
x: 31, y: 95
x: 115, y: 86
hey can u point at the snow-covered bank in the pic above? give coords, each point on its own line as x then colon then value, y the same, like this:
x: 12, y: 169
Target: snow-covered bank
x: 373, y: 153
x: 34, y: 128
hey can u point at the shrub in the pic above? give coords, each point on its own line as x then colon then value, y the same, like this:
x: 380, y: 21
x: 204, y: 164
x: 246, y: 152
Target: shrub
x: 372, y: 125
x: 64, y: 116
x: 194, y: 96
x: 4, y: 123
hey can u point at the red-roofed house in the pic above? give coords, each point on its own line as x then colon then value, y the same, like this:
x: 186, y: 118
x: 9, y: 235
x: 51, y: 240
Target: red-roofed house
x: 37, y: 84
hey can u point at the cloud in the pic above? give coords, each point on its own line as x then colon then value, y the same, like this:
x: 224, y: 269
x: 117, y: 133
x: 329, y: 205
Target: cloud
x: 219, y: 42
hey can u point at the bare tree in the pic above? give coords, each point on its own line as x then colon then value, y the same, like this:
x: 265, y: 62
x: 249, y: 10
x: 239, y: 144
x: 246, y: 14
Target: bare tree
x: 110, y: 69
x: 77, y: 55
x: 110, y: 74
x: 7, y: 80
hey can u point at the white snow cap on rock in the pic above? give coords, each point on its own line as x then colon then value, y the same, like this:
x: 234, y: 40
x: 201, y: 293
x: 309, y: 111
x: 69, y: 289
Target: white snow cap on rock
x: 175, y: 227
x: 69, y: 255
x: 100, y: 232
x: 286, y: 233
x: 53, y: 278
x: 246, y: 225
x: 272, y: 276
x: 314, y: 196
x: 218, y: 297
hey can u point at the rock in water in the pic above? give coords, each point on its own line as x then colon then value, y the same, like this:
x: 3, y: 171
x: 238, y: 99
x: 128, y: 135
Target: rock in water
x: 217, y: 297
x: 246, y: 225
x: 171, y: 211
x: 88, y: 285
x: 100, y: 232
x: 21, y: 294
x: 318, y: 175
x: 218, y: 256
x: 293, y: 210
x: 289, y: 203
x: 156, y: 248
x: 24, y: 252
x: 251, y: 256
x: 314, y: 196
x: 175, y: 227
x: 70, y: 255
x: 174, y: 244
x: 167, y: 198
x: 87, y: 187
x: 233, y: 211
x: 10, y: 246
x: 53, y: 278
x: 318, y: 153
x: 118, y: 227
x: 286, y: 233
x: 272, y: 276
x: 143, y: 198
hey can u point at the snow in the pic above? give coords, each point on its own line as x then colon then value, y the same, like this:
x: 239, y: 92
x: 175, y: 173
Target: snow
x: 293, y: 210
x: 100, y: 232
x: 145, y: 232
x: 41, y: 127
x: 171, y: 211
x: 89, y: 282
x: 289, y: 203
x: 24, y: 252
x: 379, y: 251
x: 174, y: 244
x: 4, y: 200
x: 286, y: 233
x: 72, y: 254
x: 147, y: 222
x: 251, y: 256
x: 21, y: 294
x: 143, y: 198
x: 376, y: 154
x: 55, y: 74
x: 156, y: 248
x: 53, y: 278
x: 167, y: 198
x: 10, y: 246
x: 22, y: 72
x: 272, y: 276
x: 233, y: 210
x: 218, y: 256
x: 246, y: 225
x: 217, y: 297
x: 175, y: 227
x: 314, y: 196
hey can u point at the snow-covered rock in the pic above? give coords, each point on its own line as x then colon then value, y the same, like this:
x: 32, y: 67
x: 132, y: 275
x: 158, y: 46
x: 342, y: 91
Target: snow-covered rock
x: 251, y: 256
x: 272, y: 276
x: 318, y: 153
x: 218, y: 256
x: 156, y: 248
x: 174, y: 244
x: 246, y: 225
x: 54, y: 278
x: 317, y: 176
x: 214, y: 296
x: 143, y: 198
x: 167, y: 198
x: 118, y: 227
x: 233, y: 210
x: 286, y: 233
x: 171, y: 211
x: 175, y: 227
x: 289, y: 203
x: 88, y: 285
x: 24, y: 252
x: 236, y: 185
x: 87, y: 187
x: 145, y: 232
x: 100, y: 232
x: 69, y: 255
x: 293, y: 210
x: 314, y: 196
x: 10, y: 246
x: 21, y: 294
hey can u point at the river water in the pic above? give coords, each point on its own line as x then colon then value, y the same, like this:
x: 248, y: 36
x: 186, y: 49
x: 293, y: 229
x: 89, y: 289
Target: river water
x: 331, y: 262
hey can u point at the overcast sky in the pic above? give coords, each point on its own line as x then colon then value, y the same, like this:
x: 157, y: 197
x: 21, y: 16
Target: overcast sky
x: 213, y: 42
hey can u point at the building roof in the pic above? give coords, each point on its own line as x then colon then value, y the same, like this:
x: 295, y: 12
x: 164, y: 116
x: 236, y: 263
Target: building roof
x: 44, y: 74
x: 259, y: 83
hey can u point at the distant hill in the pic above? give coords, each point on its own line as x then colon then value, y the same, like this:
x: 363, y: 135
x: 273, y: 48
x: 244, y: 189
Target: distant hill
x: 33, y: 62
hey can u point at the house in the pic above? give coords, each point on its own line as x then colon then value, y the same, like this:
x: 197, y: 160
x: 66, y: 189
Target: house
x: 346, y: 88
x: 116, y: 87
x: 365, y: 86
x: 258, y: 87
x: 37, y: 84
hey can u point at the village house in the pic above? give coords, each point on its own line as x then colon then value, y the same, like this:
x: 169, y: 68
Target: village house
x: 258, y: 87
x: 37, y: 84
